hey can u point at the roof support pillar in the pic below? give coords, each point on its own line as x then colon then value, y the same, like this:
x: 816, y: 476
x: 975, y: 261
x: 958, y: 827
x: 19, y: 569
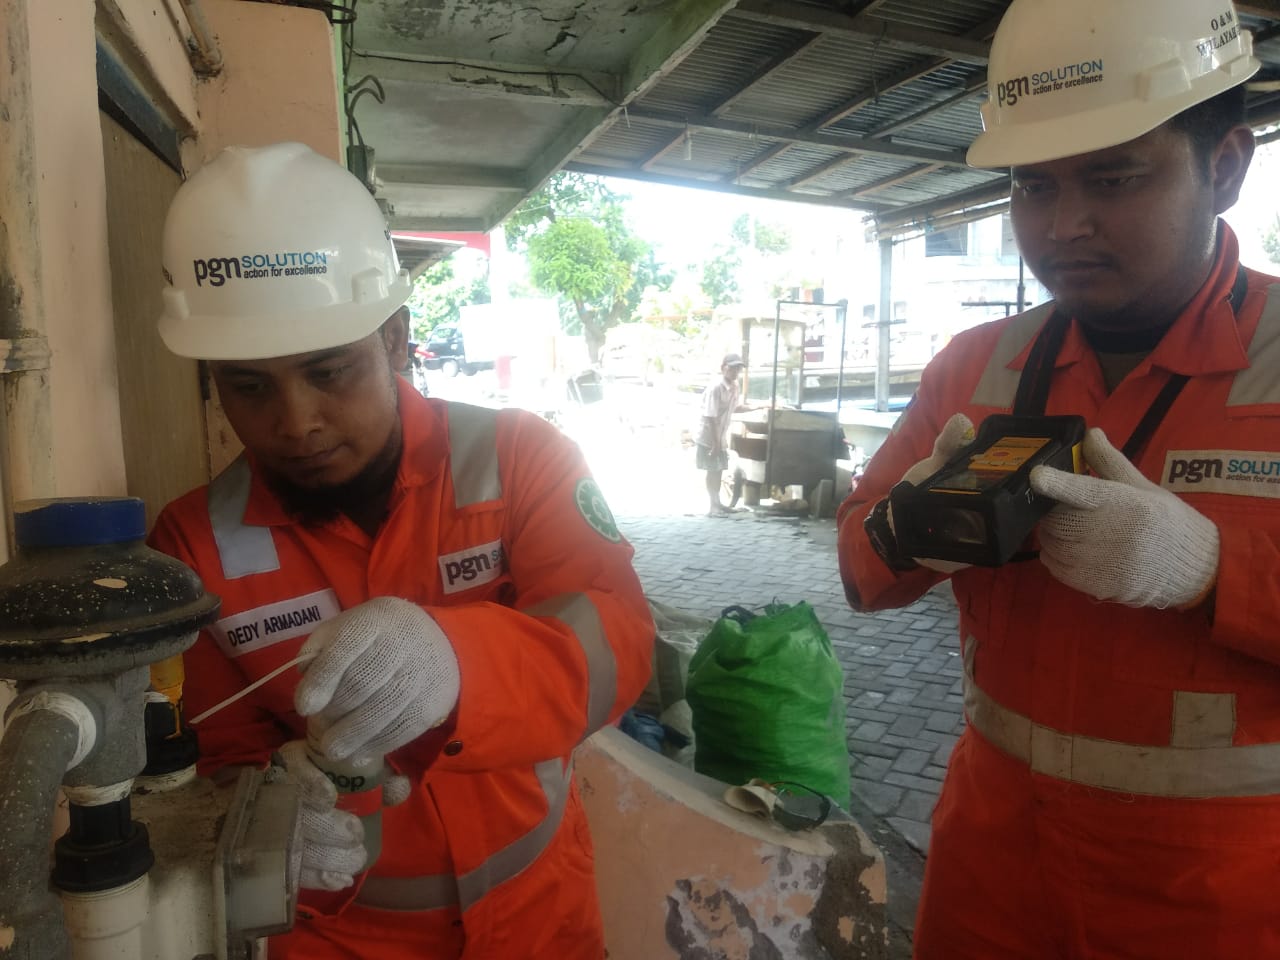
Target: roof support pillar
x: 884, y: 320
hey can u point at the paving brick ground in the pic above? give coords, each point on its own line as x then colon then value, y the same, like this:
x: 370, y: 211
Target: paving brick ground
x: 902, y: 668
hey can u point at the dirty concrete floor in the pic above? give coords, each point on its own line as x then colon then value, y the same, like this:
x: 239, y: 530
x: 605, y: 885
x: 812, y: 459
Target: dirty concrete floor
x: 903, y: 710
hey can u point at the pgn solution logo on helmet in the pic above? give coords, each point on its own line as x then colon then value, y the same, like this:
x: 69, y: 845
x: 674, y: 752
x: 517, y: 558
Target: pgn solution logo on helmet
x: 256, y: 266
x: 1009, y: 92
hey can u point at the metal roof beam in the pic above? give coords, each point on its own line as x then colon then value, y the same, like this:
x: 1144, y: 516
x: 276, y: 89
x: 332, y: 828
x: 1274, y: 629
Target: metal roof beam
x: 797, y: 16
x: 844, y: 144
x: 765, y: 72
x: 775, y: 63
x: 1266, y: 9
x: 978, y: 196
x: 868, y: 95
x: 969, y: 90
x: 717, y: 186
x: 521, y: 81
x: 759, y: 160
x: 818, y: 172
x: 895, y: 180
x: 960, y: 217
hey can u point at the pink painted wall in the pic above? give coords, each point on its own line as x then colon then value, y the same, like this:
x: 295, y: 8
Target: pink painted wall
x: 279, y: 81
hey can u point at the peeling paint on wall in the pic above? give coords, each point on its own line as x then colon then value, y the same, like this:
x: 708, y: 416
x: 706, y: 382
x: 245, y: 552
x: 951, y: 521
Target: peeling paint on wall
x: 850, y: 916
x: 709, y: 919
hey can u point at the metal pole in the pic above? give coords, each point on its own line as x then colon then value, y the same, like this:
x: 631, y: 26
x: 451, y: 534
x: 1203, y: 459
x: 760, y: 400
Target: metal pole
x: 773, y: 399
x: 777, y: 335
x: 1022, y: 285
x: 842, y: 311
x: 885, y: 320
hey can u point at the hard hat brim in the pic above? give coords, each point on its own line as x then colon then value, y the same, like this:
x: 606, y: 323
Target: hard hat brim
x: 224, y: 338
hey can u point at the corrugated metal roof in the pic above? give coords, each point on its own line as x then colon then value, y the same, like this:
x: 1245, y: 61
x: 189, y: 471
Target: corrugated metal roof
x: 848, y: 90
x: 864, y: 104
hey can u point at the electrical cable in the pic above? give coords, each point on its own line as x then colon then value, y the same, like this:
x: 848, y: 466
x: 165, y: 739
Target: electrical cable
x: 552, y: 75
x: 339, y: 14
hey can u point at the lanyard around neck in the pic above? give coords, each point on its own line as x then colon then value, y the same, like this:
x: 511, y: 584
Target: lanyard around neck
x: 1033, y: 386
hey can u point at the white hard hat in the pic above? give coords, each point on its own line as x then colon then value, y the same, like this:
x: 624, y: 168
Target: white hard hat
x: 1067, y: 78
x: 273, y: 251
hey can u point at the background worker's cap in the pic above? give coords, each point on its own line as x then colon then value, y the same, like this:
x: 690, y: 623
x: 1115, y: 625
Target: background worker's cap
x: 1071, y: 78
x: 732, y: 360
x: 272, y: 251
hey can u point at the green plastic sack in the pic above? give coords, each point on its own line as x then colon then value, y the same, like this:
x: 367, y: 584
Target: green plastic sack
x: 767, y: 694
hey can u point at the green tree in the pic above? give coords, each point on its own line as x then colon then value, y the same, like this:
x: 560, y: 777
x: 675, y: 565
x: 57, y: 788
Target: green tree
x: 649, y: 273
x: 749, y: 231
x: 1271, y: 240
x: 439, y: 294
x: 720, y: 276
x: 578, y: 245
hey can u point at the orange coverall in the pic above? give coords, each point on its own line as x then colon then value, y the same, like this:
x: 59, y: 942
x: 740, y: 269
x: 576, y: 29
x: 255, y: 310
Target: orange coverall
x: 1116, y: 792
x: 496, y: 528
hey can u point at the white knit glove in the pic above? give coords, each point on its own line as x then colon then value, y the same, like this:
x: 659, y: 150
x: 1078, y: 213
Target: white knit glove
x: 332, y: 840
x: 1118, y: 536
x: 956, y: 433
x: 384, y: 674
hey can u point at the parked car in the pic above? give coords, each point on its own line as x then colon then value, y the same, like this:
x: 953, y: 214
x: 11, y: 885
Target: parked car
x: 445, y: 351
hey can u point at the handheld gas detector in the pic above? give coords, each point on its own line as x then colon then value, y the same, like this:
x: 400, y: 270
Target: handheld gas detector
x: 980, y: 507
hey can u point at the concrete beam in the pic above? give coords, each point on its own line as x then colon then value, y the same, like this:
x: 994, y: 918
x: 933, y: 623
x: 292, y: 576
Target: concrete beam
x: 844, y: 144
x: 463, y: 178
x: 678, y: 37
x: 443, y: 224
x: 796, y: 16
x: 503, y: 80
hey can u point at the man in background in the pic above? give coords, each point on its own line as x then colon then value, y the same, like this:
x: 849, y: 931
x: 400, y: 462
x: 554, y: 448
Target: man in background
x: 720, y: 400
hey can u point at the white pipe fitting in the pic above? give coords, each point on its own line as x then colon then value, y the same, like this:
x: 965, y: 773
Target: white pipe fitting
x: 74, y: 709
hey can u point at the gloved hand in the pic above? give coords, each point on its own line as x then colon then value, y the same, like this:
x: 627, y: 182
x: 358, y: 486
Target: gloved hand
x: 332, y: 840
x: 384, y: 673
x: 1118, y: 536
x: 956, y: 433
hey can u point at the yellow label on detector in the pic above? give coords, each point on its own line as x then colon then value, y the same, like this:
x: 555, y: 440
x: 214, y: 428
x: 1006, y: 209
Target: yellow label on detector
x: 1007, y: 455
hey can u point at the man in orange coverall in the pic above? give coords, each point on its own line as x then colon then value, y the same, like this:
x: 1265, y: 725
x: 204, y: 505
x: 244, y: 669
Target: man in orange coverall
x: 1116, y: 793
x: 455, y: 573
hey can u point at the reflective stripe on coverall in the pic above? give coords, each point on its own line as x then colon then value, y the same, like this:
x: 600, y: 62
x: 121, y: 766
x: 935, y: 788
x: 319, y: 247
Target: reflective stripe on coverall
x: 496, y: 528
x: 1117, y: 790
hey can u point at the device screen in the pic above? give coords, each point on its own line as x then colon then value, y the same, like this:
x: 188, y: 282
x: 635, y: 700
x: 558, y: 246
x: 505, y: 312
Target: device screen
x: 990, y: 466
